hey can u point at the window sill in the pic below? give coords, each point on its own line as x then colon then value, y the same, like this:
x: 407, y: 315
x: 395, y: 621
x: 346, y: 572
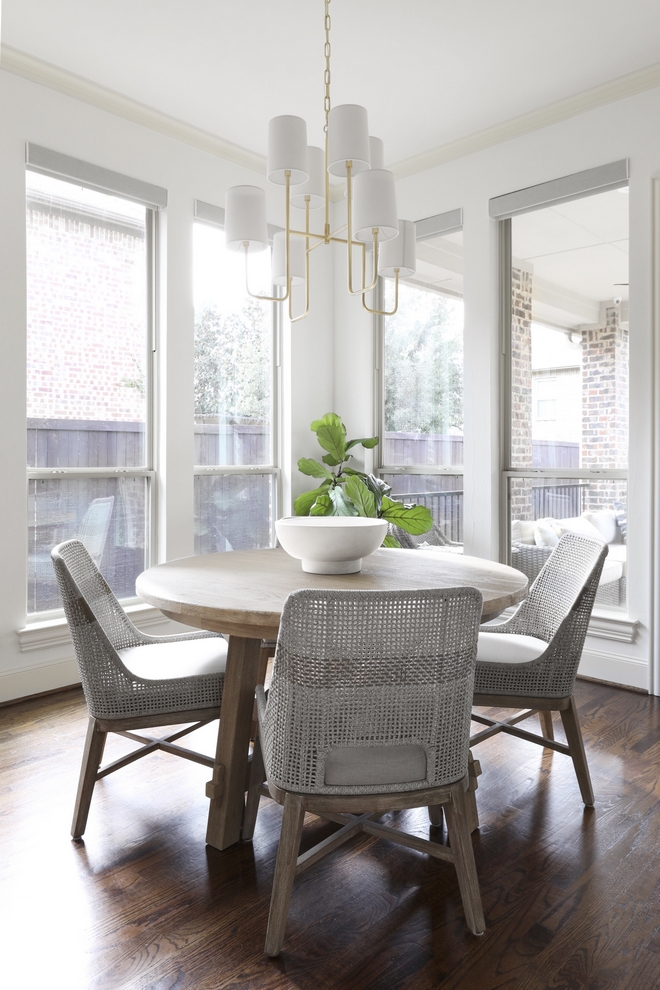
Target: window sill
x: 55, y: 632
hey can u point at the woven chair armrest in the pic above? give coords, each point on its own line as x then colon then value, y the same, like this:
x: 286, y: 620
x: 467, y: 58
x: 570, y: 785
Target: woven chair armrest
x: 532, y: 551
x: 261, y: 696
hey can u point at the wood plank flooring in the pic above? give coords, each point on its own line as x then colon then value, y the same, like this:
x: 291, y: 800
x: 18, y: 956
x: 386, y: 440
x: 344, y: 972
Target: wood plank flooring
x: 571, y: 896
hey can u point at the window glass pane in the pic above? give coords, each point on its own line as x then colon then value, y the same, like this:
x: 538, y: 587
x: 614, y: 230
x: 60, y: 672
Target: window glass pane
x: 233, y: 512
x: 108, y: 514
x: 543, y: 509
x: 86, y: 327
x: 442, y: 494
x: 423, y: 360
x: 569, y: 334
x: 233, y: 354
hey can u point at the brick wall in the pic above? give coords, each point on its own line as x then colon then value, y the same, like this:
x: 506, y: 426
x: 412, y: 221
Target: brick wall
x: 521, y: 391
x: 605, y: 406
x: 86, y: 311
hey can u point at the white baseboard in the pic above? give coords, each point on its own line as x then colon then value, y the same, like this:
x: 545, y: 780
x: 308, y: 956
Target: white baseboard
x: 35, y: 680
x: 615, y: 669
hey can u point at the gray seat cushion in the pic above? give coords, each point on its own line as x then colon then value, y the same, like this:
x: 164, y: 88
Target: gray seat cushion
x: 157, y: 661
x: 375, y: 765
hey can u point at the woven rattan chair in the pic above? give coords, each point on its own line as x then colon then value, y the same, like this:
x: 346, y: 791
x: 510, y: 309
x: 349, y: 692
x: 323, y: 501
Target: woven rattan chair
x: 530, y: 662
x: 433, y: 538
x: 131, y: 680
x: 368, y: 711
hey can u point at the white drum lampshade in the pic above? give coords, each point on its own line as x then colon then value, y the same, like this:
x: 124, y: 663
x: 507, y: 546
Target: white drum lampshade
x: 245, y: 219
x: 374, y: 205
x: 399, y: 252
x: 296, y: 259
x: 315, y: 185
x: 287, y: 149
x: 348, y: 139
x: 376, y: 152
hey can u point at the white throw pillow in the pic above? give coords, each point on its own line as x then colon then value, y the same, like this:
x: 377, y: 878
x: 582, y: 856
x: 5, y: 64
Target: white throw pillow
x: 516, y: 535
x: 544, y: 533
x: 580, y: 526
x: 527, y: 528
x: 605, y: 523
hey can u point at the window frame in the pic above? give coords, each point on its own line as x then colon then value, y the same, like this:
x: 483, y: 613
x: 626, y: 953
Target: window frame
x: 502, y: 209
x: 61, y: 167
x: 214, y: 216
x: 427, y: 228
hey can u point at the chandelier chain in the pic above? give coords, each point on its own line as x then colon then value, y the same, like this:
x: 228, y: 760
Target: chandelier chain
x: 326, y: 75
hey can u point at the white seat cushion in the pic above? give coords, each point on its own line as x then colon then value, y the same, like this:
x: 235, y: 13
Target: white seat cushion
x: 509, y: 648
x: 612, y: 571
x: 352, y: 765
x: 617, y: 552
x: 162, y: 661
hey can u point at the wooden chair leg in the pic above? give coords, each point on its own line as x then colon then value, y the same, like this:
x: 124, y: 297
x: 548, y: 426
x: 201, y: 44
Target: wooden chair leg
x: 435, y: 815
x: 285, y: 871
x: 547, y: 729
x: 257, y: 777
x: 91, y: 761
x: 466, y: 870
x: 569, y: 717
x: 474, y: 771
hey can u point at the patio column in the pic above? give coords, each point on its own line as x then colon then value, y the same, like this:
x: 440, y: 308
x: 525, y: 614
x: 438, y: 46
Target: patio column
x: 521, y: 390
x: 605, y: 405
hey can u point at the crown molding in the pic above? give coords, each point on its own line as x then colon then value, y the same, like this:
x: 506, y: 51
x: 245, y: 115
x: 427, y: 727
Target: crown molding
x: 554, y: 113
x: 45, y: 74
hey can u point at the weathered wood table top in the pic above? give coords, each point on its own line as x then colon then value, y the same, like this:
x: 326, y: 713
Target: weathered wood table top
x: 242, y: 593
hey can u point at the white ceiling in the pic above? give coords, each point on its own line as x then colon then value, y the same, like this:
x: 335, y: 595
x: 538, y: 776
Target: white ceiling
x: 581, y: 246
x: 429, y: 72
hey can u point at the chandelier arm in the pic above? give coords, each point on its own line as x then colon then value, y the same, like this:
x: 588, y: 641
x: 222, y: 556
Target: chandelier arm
x: 292, y: 318
x: 256, y: 295
x: 385, y: 312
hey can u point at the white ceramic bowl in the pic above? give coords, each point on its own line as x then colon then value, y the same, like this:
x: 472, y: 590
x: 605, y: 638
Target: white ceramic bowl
x: 330, y: 544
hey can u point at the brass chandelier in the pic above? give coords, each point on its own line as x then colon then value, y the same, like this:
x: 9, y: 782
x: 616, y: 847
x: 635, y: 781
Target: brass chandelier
x: 305, y: 174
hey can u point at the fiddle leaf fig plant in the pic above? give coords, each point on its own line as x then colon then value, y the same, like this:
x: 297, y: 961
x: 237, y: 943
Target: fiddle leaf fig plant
x: 345, y: 491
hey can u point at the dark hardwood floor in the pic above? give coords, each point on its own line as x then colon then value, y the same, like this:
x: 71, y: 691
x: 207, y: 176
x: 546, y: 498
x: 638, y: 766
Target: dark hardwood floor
x: 571, y: 896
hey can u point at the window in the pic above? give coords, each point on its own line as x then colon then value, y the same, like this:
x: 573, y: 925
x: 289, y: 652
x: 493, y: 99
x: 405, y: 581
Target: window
x: 422, y: 380
x: 88, y: 382
x: 566, y: 277
x: 235, y: 398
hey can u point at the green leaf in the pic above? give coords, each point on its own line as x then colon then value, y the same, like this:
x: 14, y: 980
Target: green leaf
x: 307, y: 465
x: 367, y: 442
x: 361, y: 497
x: 329, y: 459
x: 391, y: 541
x: 379, y: 489
x: 351, y: 472
x: 415, y: 519
x: 323, y: 506
x: 304, y: 502
x: 342, y: 506
x: 331, y: 434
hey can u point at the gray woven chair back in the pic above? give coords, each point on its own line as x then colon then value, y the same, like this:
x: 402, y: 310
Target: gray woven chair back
x: 557, y: 610
x: 566, y: 582
x: 99, y: 627
x: 368, y: 668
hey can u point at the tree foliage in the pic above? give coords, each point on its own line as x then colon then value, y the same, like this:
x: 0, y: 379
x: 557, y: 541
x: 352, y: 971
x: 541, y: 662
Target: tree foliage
x: 424, y: 364
x: 232, y: 363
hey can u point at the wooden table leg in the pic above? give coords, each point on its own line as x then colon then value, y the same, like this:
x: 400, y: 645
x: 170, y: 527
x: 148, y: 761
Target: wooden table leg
x: 227, y: 788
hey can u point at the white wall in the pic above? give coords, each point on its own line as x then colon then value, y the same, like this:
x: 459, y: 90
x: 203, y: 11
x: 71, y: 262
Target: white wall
x: 328, y: 359
x: 30, y: 112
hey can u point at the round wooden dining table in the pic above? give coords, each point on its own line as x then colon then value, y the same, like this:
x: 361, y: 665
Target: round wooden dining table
x: 242, y: 593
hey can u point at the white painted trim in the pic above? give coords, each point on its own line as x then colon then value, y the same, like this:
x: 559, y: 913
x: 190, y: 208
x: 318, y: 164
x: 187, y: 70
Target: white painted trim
x: 562, y: 190
x: 46, y: 74
x: 617, y: 669
x: 23, y: 682
x: 620, y: 629
x: 654, y: 672
x: 554, y: 113
x: 55, y: 632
